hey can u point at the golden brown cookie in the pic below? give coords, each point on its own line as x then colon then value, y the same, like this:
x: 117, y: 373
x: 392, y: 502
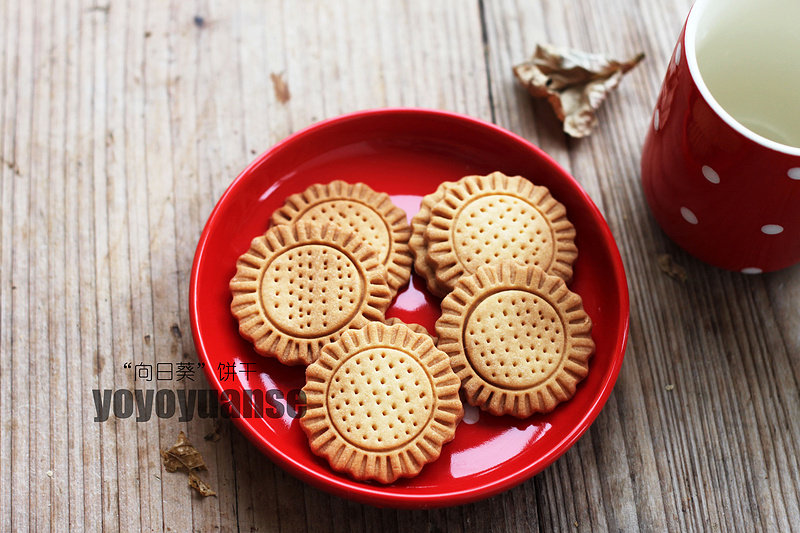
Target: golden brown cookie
x: 418, y: 245
x: 299, y: 287
x: 381, y: 402
x: 416, y: 328
x: 517, y: 337
x: 372, y: 216
x: 482, y: 220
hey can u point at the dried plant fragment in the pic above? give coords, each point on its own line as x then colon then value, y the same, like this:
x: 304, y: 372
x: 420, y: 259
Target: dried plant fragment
x: 200, y: 486
x: 574, y: 82
x: 182, y: 456
x: 280, y: 87
x: 672, y: 269
x: 185, y: 458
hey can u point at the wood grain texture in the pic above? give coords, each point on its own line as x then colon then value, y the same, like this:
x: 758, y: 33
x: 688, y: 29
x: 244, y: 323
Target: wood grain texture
x: 122, y: 123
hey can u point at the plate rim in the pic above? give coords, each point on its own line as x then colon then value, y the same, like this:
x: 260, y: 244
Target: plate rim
x: 378, y: 496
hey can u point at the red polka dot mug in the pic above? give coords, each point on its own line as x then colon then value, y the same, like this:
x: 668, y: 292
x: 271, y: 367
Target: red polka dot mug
x: 721, y: 160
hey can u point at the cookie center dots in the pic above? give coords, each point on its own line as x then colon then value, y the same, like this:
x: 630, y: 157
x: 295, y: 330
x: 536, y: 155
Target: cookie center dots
x: 501, y: 226
x: 380, y: 398
x: 368, y: 224
x: 514, y: 339
x: 311, y: 290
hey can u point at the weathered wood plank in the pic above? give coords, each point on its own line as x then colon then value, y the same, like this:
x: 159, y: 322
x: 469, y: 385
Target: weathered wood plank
x: 7, y: 172
x: 57, y: 376
x: 21, y: 308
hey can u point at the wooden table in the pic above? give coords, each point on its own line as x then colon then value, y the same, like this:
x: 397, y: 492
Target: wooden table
x: 123, y: 123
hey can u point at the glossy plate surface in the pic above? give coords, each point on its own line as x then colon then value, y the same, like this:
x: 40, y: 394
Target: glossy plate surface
x: 406, y: 153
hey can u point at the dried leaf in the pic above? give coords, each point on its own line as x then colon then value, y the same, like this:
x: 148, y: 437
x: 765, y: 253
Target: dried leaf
x: 185, y: 458
x: 574, y: 82
x: 182, y: 456
x: 672, y: 269
x: 200, y: 486
x: 280, y: 87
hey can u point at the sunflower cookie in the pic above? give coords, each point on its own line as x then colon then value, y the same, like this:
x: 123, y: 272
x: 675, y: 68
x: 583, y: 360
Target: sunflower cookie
x: 485, y: 219
x: 299, y: 287
x: 418, y: 245
x: 381, y: 402
x: 517, y: 337
x: 371, y: 214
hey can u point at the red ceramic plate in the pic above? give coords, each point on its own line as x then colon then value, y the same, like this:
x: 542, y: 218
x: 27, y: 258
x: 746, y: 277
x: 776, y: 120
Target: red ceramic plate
x: 405, y: 153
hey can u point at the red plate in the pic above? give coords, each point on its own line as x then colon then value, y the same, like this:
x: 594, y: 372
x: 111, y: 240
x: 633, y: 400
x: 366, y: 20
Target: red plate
x: 406, y: 153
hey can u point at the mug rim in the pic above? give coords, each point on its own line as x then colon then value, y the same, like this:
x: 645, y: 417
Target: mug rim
x: 691, y: 57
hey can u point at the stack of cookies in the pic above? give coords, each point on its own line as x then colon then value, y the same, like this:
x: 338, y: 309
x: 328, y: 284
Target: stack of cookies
x: 383, y: 396
x: 333, y: 260
x: 484, y: 220
x: 500, y: 250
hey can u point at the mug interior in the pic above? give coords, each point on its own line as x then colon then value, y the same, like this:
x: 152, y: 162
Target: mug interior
x: 745, y: 59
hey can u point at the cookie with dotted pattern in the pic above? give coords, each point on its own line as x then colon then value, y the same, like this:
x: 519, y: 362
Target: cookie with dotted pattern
x: 300, y: 286
x: 482, y: 220
x: 370, y: 214
x: 518, y: 338
x: 381, y: 403
x: 418, y: 244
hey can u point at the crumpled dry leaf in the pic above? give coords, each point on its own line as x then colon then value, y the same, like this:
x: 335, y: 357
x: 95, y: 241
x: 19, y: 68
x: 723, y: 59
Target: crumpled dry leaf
x: 182, y: 456
x: 574, y: 82
x: 185, y: 458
